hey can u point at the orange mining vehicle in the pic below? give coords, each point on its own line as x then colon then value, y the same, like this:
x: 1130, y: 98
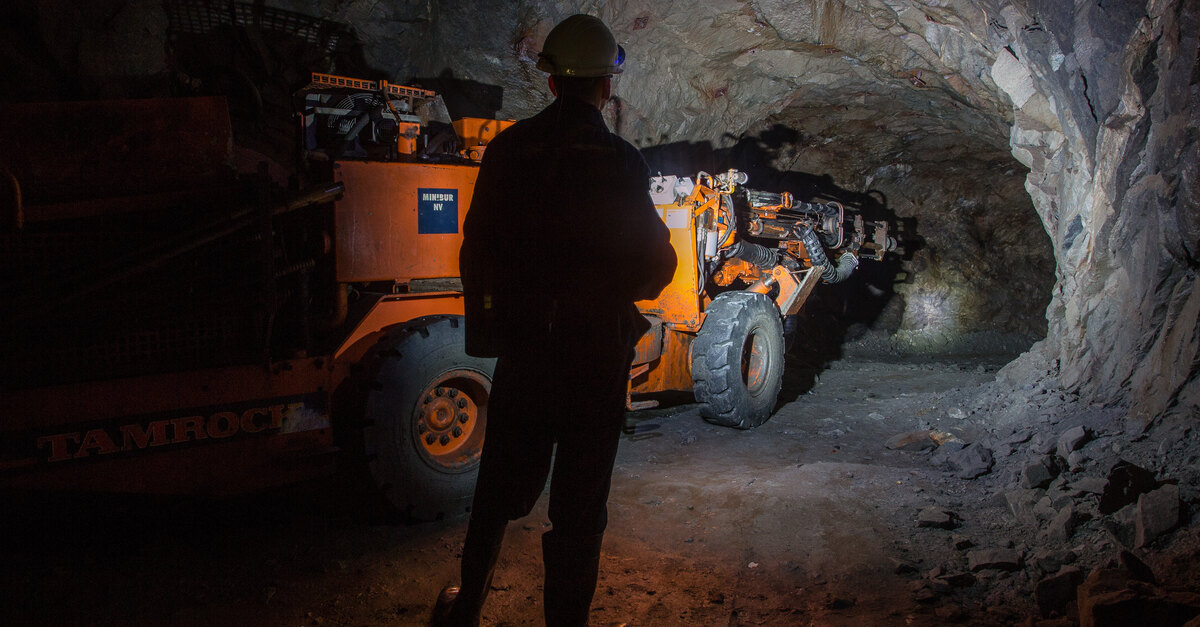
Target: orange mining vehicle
x: 172, y: 326
x: 754, y: 258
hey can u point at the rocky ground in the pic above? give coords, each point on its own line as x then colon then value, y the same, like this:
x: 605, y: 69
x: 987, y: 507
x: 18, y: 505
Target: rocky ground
x: 887, y: 490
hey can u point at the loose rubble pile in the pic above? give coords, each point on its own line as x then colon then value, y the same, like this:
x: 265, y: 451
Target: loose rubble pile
x: 1077, y: 503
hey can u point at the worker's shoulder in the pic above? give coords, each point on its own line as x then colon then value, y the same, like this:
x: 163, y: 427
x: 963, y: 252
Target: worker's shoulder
x: 628, y: 148
x: 627, y: 154
x: 514, y: 144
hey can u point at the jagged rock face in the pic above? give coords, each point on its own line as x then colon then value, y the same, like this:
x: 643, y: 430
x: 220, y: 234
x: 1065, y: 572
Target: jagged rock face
x: 940, y: 109
x: 1110, y: 134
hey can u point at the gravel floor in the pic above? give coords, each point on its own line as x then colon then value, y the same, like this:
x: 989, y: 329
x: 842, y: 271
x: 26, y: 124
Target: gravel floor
x: 809, y: 519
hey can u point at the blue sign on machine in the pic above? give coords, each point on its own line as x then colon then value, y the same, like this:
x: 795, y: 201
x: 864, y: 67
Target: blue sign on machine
x: 437, y: 210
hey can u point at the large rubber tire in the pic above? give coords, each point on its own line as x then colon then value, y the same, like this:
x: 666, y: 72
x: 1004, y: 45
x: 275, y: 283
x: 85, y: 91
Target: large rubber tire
x: 737, y: 360
x: 425, y: 413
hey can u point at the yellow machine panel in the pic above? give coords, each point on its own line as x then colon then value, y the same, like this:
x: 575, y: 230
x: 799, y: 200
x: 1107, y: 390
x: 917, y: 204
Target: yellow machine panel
x: 679, y: 303
x: 401, y: 221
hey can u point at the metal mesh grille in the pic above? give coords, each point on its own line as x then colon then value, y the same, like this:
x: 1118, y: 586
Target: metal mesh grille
x: 199, y: 17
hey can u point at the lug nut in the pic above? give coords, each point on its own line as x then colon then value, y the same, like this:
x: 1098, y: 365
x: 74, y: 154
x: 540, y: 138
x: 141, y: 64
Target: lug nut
x: 422, y: 427
x: 426, y: 400
x: 462, y: 403
x: 456, y: 431
x: 440, y: 391
x: 452, y: 393
x: 463, y: 417
x: 429, y: 438
x: 445, y: 439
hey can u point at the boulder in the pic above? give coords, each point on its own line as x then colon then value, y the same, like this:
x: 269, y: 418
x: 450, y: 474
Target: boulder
x: 1090, y: 485
x: 1157, y: 513
x: 1042, y: 443
x: 1062, y: 526
x: 1055, y: 593
x: 1039, y: 474
x: 973, y: 461
x: 1021, y: 503
x: 1020, y: 436
x: 1122, y: 525
x: 1044, y: 509
x: 958, y: 579
x: 945, y: 451
x: 1071, y: 439
x: 1112, y: 597
x: 1049, y: 562
x: 994, y: 559
x: 937, y: 517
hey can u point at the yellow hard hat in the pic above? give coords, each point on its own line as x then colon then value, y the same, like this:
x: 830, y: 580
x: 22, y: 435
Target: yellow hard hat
x: 581, y: 45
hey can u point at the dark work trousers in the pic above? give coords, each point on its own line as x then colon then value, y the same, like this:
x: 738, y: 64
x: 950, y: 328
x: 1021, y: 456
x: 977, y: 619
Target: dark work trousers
x: 570, y: 394
x: 559, y: 400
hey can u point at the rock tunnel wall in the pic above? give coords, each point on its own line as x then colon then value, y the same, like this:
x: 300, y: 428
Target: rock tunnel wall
x: 1109, y: 130
x: 929, y: 103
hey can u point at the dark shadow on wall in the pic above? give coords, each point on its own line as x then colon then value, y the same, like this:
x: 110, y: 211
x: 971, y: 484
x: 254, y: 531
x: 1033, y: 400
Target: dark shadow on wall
x: 835, y: 313
x: 464, y: 98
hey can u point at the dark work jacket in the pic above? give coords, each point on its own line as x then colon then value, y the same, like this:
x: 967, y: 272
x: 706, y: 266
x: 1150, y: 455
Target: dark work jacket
x: 561, y: 238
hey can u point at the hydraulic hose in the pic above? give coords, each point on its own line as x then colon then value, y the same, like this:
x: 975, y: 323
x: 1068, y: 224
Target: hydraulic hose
x: 756, y: 254
x: 827, y: 210
x: 845, y: 267
x: 816, y: 253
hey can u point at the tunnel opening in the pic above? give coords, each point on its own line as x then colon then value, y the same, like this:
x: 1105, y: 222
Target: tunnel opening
x: 975, y: 270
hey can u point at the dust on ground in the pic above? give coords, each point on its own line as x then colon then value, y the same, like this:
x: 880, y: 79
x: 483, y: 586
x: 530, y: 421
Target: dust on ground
x: 809, y: 519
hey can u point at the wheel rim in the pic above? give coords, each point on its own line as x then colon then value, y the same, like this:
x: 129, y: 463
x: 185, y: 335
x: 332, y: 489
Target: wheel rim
x: 756, y: 361
x: 451, y: 419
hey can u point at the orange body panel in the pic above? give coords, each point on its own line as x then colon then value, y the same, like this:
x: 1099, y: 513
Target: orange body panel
x: 477, y: 132
x: 672, y: 369
x: 679, y: 302
x: 663, y: 355
x: 401, y: 221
